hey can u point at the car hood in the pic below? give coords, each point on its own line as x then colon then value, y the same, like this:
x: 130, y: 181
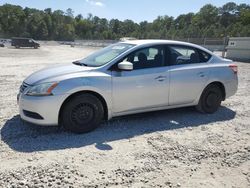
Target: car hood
x: 55, y: 72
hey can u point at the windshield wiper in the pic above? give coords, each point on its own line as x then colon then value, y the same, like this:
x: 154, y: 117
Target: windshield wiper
x: 79, y: 63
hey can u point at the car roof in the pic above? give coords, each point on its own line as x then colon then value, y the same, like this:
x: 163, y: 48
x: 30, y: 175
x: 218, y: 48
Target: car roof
x: 159, y: 42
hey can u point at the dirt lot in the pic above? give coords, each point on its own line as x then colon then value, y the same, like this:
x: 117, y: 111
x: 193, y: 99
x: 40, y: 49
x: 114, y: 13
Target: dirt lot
x: 173, y: 148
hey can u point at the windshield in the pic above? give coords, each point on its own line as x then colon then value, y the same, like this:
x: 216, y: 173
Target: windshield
x: 105, y: 55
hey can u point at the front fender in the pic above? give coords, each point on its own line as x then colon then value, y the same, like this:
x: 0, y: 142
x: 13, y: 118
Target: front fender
x: 99, y: 85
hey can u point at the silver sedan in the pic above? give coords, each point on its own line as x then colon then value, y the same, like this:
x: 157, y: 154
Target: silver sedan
x: 127, y: 78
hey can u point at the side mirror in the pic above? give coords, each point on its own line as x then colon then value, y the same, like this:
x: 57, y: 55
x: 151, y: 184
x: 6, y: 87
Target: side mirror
x: 126, y: 66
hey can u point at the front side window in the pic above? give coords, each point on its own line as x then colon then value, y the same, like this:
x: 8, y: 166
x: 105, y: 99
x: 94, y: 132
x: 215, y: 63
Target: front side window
x: 147, y: 58
x: 105, y: 55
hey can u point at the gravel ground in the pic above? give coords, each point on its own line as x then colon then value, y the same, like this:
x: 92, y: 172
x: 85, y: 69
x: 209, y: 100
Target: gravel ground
x: 172, y: 148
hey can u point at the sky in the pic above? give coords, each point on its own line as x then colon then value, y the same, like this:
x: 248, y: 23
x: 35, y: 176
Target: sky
x: 136, y: 10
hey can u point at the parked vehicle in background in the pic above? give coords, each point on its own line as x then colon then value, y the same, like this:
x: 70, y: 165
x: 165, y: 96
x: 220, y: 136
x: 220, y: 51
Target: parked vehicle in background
x: 2, y: 43
x: 24, y: 42
x: 124, y: 39
x: 126, y: 78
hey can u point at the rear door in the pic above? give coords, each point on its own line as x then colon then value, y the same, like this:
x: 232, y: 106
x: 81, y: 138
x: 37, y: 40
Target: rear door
x: 189, y: 73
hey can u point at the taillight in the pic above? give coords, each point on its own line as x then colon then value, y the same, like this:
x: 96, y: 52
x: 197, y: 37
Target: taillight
x: 234, y: 68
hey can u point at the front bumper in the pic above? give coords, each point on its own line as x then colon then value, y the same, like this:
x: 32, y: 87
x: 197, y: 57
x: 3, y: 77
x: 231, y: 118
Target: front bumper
x: 47, y: 107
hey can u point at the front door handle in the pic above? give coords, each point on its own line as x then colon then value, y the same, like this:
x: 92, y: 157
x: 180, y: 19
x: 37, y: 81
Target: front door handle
x: 161, y: 78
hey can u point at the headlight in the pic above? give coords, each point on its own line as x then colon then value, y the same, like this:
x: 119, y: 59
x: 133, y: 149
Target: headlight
x: 41, y: 89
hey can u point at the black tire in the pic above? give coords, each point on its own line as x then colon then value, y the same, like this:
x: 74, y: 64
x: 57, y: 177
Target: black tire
x: 210, y: 99
x: 17, y: 47
x: 82, y: 114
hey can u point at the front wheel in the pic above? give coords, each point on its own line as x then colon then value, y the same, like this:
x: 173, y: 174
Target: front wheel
x: 210, y: 99
x: 82, y: 114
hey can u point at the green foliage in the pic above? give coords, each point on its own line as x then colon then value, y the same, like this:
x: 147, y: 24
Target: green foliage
x: 229, y: 20
x: 245, y: 16
x: 12, y: 19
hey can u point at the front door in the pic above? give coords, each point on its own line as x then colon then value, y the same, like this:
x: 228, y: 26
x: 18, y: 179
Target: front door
x: 147, y: 86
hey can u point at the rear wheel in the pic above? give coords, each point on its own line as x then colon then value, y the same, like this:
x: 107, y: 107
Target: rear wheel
x: 82, y: 114
x: 17, y: 46
x: 210, y: 99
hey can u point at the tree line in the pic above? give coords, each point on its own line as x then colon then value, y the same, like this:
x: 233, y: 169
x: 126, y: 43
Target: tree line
x: 211, y: 21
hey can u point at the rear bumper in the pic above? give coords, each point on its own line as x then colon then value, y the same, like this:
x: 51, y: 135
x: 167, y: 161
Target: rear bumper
x: 231, y: 87
x: 40, y: 110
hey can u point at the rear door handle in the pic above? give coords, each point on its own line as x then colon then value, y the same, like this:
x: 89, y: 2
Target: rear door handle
x: 201, y: 74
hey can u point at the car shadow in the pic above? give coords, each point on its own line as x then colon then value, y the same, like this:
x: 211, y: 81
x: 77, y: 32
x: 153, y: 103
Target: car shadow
x: 25, y: 137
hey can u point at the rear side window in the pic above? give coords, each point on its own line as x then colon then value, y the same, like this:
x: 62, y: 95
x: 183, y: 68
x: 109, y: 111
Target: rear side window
x: 204, y: 56
x: 180, y: 55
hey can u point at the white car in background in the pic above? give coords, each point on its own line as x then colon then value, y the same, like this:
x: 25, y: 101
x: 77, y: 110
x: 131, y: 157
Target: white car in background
x: 126, y: 78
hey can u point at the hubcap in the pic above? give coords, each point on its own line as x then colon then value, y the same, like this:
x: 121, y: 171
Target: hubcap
x: 82, y: 113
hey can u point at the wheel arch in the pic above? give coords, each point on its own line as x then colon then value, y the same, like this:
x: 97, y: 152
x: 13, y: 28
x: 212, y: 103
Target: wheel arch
x: 99, y: 96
